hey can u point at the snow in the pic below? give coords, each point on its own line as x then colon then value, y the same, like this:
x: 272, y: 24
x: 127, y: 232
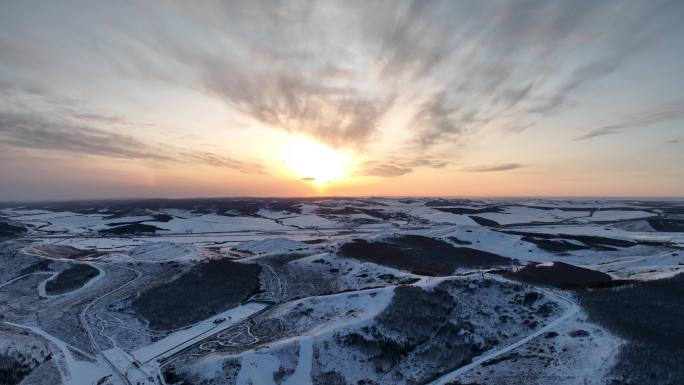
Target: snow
x: 352, y: 273
x: 212, y: 223
x: 163, y: 251
x: 641, y: 226
x: 496, y: 242
x: 125, y: 365
x: 274, y: 214
x: 178, y: 340
x: 302, y: 374
x: 308, y: 208
x: 437, y: 216
x: 258, y: 369
x: 335, y: 312
x: 78, y: 372
x: 342, y: 309
x: 41, y: 286
x: 76, y: 223
x: 11, y: 281
x: 120, y: 359
x: 645, y: 267
x: 86, y: 286
x: 191, y: 236
x: 310, y: 221
x: 272, y: 245
x: 570, y: 310
x: 516, y: 214
x: 618, y: 215
x: 576, y: 361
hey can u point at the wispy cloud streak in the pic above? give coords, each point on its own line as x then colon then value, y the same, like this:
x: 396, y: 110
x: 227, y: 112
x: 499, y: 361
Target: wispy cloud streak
x: 334, y: 70
x: 32, y: 132
x: 393, y: 166
x: 640, y: 120
x: 493, y: 167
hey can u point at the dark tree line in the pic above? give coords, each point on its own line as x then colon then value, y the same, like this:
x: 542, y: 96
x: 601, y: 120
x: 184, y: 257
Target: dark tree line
x: 71, y: 279
x: 421, y: 255
x: 650, y: 315
x: 207, y: 289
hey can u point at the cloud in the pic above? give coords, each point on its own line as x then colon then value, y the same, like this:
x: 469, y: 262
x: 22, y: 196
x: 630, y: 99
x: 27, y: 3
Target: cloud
x: 386, y: 170
x: 102, y: 119
x: 673, y: 141
x: 602, y: 131
x: 28, y: 130
x: 579, y: 77
x: 435, y: 119
x: 216, y: 160
x: 393, y: 167
x: 493, y: 167
x: 339, y: 116
x: 334, y: 70
x: 31, y: 131
x: 642, y: 119
x: 518, y: 128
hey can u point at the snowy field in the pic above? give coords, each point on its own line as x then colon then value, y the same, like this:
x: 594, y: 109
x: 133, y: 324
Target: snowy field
x: 407, y: 304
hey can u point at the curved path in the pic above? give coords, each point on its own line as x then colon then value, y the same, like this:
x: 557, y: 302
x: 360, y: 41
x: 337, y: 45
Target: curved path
x: 43, y: 293
x: 571, y: 310
x: 84, y: 321
x: 83, y: 314
x: 77, y: 372
x: 11, y: 281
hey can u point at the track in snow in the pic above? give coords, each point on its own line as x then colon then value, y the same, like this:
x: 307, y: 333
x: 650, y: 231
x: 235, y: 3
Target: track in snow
x: 572, y: 309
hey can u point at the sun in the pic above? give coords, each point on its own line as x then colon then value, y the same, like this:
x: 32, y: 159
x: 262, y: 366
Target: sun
x: 315, y: 162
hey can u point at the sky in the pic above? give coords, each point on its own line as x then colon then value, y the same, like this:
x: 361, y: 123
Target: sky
x: 125, y: 99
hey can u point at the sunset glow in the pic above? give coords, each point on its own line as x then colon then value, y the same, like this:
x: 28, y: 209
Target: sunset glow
x: 315, y: 162
x: 385, y: 192
x: 167, y: 99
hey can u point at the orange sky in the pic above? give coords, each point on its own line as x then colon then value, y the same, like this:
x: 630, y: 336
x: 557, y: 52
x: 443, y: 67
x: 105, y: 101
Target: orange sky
x: 163, y: 99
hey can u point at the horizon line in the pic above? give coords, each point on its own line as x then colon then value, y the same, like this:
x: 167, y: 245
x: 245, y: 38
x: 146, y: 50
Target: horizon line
x: 332, y: 197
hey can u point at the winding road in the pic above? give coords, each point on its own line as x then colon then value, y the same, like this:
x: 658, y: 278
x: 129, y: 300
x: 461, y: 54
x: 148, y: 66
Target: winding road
x: 11, y: 281
x: 571, y: 310
x: 228, y: 337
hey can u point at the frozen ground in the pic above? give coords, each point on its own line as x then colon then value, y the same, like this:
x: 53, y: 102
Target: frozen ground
x: 176, y: 341
x: 563, y: 355
x: 318, y: 317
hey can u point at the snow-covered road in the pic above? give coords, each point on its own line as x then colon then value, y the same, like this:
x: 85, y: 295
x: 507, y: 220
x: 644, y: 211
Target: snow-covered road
x: 11, y: 281
x: 77, y: 372
x: 571, y: 310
